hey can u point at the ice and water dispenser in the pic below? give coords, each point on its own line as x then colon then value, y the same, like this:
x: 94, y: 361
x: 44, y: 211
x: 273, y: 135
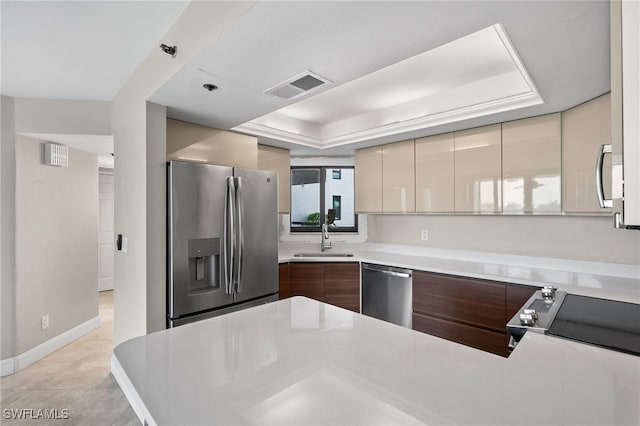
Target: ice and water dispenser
x: 204, y: 265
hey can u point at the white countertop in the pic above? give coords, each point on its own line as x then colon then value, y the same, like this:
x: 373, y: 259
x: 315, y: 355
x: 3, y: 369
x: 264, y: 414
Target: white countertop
x: 300, y: 362
x: 595, y: 279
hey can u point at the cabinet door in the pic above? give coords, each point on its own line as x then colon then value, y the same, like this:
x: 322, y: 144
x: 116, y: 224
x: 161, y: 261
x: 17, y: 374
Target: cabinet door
x: 368, y: 179
x: 398, y: 177
x: 479, y: 338
x: 193, y: 142
x: 478, y: 170
x: 278, y: 160
x: 342, y: 285
x: 472, y: 301
x: 307, y: 279
x: 631, y: 111
x: 434, y: 174
x: 531, y: 162
x: 584, y: 129
x: 625, y: 110
x: 284, y: 288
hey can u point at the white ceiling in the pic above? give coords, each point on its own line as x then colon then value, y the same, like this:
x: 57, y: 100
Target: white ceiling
x: 88, y: 49
x: 563, y: 45
x: 476, y: 75
x: 78, y: 49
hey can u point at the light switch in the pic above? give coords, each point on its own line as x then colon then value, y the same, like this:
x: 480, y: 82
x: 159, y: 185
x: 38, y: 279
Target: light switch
x: 125, y: 244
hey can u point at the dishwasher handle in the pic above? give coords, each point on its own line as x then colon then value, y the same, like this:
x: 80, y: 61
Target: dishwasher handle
x: 386, y: 272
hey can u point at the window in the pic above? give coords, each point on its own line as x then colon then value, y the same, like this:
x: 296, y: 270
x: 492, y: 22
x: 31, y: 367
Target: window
x: 337, y: 200
x: 314, y: 190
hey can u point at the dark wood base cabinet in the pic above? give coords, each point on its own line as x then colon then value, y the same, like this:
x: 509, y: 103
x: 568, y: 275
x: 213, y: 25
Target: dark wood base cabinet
x: 307, y: 279
x: 284, y: 288
x: 336, y: 283
x: 469, y: 311
x: 342, y: 285
x: 479, y: 338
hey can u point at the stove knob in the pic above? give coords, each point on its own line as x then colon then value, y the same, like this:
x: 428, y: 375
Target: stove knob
x: 548, y: 292
x: 527, y: 319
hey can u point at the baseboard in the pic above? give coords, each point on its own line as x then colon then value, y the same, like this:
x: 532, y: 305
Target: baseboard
x: 6, y: 367
x: 130, y: 393
x: 25, y: 359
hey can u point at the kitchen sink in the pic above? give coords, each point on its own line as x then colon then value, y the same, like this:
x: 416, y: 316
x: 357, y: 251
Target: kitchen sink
x: 323, y: 254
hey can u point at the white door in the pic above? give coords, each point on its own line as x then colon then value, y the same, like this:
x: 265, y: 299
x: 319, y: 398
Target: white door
x: 105, y: 235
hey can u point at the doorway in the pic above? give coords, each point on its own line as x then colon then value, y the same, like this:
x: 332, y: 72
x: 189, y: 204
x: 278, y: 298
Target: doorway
x: 105, y: 232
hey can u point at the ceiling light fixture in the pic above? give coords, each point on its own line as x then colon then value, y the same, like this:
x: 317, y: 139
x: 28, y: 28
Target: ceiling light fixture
x: 210, y: 87
x: 169, y: 50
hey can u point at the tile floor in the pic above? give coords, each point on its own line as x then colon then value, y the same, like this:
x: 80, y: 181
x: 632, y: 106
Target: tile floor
x: 76, y: 377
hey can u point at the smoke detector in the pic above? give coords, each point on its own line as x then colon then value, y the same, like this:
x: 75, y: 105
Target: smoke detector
x: 298, y: 85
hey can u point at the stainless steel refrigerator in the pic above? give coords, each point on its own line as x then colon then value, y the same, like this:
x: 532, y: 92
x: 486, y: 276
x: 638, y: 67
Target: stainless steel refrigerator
x: 222, y: 240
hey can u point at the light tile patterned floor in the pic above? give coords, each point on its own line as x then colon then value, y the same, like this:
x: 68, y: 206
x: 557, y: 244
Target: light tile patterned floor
x: 77, y: 378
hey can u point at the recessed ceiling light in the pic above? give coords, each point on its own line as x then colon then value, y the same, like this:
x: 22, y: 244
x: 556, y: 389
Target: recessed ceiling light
x: 210, y: 87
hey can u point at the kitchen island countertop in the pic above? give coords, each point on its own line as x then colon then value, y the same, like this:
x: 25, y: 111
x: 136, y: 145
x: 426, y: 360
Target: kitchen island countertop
x: 299, y: 361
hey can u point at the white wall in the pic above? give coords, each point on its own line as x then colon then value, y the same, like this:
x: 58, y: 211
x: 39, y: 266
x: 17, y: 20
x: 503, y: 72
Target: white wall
x: 129, y: 117
x: 49, y: 253
x: 568, y: 237
x: 56, y: 243
x: 62, y: 116
x: 156, y: 217
x: 7, y: 228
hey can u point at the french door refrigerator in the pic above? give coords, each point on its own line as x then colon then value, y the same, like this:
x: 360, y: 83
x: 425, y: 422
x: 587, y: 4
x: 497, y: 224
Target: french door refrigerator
x: 222, y: 240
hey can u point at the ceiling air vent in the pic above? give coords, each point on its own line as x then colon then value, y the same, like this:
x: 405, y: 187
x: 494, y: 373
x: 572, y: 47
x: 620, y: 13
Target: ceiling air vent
x: 56, y: 154
x: 298, y: 85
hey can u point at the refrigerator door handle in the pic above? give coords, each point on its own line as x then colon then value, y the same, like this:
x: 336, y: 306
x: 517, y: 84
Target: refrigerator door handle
x: 604, y: 203
x: 240, y: 235
x: 229, y: 233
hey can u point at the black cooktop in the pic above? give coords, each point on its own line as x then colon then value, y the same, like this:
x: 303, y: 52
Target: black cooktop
x: 609, y: 323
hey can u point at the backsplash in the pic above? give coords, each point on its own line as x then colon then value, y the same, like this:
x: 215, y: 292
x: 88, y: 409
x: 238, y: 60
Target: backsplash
x: 567, y: 237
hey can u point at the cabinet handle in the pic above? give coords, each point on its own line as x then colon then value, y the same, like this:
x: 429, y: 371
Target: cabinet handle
x: 604, y: 203
x: 392, y: 273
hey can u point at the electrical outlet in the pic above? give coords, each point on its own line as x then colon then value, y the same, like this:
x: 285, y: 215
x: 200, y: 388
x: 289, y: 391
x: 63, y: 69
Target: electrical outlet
x: 424, y: 234
x: 45, y: 322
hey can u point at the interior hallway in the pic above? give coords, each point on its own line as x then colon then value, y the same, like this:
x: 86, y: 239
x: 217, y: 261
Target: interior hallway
x: 76, y: 377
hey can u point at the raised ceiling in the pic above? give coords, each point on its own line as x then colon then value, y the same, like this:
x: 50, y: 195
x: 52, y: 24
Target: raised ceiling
x: 564, y: 47
x: 476, y: 75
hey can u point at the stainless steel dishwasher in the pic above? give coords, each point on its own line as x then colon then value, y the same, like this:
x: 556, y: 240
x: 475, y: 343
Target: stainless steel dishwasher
x: 386, y: 293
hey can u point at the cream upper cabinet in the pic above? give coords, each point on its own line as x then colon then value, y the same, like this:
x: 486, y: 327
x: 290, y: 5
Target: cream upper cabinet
x: 278, y: 160
x: 531, y: 164
x: 435, y: 174
x: 193, y: 142
x: 368, y: 179
x: 478, y: 170
x: 398, y: 177
x: 584, y: 129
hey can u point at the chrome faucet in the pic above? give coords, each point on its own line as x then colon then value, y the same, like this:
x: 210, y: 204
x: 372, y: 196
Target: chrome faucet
x: 325, y: 244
